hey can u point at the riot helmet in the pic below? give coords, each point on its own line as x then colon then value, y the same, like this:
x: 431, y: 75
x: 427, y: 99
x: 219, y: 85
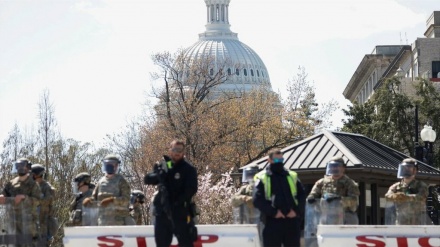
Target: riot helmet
x: 137, y: 195
x: 81, y: 179
x: 335, y: 167
x: 38, y: 170
x: 110, y: 164
x: 22, y: 166
x: 407, y: 168
x: 249, y: 173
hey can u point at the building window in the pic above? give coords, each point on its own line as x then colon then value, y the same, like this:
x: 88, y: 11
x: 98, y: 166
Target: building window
x: 252, y: 72
x: 211, y: 72
x: 229, y: 71
x: 245, y: 72
x: 416, y: 70
x: 237, y: 71
x: 262, y: 73
x: 435, y: 69
x: 258, y: 73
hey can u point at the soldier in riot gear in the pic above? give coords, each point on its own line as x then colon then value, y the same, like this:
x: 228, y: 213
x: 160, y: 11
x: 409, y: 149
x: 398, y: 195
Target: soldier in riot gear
x: 23, y: 194
x: 174, y: 210
x: 112, y: 193
x: 408, y: 195
x: 336, y: 187
x: 136, y: 200
x: 48, y: 223
x: 82, y: 188
x: 243, y: 207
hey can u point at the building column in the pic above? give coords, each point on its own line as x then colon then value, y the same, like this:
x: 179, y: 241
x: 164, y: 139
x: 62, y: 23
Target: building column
x: 362, y: 211
x: 375, y: 205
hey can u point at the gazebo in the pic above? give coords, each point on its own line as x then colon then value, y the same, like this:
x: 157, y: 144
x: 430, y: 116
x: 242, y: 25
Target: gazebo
x: 371, y: 164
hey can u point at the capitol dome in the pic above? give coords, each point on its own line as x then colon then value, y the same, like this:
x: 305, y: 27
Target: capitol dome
x: 246, y: 68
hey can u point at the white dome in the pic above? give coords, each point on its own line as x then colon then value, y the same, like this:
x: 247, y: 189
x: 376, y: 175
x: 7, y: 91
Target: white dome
x: 218, y: 41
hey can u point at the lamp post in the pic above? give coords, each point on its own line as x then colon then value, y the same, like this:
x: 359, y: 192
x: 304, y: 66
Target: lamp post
x: 428, y: 136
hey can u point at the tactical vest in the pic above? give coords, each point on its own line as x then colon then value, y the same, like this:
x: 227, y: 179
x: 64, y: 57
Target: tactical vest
x: 265, y: 179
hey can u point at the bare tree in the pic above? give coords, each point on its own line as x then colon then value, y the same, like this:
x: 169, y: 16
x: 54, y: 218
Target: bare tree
x: 47, y: 124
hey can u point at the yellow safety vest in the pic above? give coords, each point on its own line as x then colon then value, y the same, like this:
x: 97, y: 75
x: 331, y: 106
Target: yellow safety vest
x: 169, y: 164
x: 265, y: 178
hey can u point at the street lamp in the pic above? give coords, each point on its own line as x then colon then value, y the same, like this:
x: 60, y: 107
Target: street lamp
x: 428, y: 136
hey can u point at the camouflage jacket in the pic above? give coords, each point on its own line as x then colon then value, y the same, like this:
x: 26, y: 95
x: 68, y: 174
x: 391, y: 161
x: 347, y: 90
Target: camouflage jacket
x: 344, y: 187
x: 76, y: 203
x: 136, y: 213
x: 29, y: 205
x: 47, y: 196
x: 245, y: 192
x: 116, y: 187
x: 415, y: 191
x: 28, y: 187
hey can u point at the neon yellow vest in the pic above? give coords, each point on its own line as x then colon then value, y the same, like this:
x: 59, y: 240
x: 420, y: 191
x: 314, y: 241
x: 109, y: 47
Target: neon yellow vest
x: 291, y: 179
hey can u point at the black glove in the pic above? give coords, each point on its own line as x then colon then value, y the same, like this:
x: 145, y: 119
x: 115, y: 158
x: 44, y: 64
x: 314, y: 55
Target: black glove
x: 330, y: 199
x: 311, y: 200
x: 79, y: 196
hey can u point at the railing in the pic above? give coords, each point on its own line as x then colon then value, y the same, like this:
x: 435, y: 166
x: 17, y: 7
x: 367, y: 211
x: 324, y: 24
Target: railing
x: 433, y: 204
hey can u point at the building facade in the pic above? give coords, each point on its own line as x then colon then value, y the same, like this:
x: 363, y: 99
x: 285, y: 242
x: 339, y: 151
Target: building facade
x: 409, y: 62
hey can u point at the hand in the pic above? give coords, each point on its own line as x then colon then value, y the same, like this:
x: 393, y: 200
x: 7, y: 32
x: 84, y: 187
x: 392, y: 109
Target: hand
x: 19, y: 198
x: 279, y: 215
x: 330, y: 199
x: 399, y: 197
x: 311, y: 200
x: 248, y: 200
x: 291, y: 214
x: 106, y: 201
x: 2, y: 199
x: 87, y: 201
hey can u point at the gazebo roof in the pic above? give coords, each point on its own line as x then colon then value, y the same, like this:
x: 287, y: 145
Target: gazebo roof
x: 359, y: 152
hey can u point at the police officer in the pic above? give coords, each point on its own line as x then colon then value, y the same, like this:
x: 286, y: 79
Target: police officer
x: 113, y: 194
x: 177, y: 182
x: 409, y: 194
x: 136, y: 200
x: 82, y: 188
x: 46, y: 207
x: 24, y: 193
x: 242, y: 202
x: 280, y: 198
x: 336, y: 186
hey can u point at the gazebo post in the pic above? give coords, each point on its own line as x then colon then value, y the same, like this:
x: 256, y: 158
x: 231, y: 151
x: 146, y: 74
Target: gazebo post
x: 362, y: 204
x: 375, y: 205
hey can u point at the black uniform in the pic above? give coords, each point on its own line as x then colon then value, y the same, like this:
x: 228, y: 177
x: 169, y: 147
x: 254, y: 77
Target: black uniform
x: 280, y: 231
x: 173, y: 211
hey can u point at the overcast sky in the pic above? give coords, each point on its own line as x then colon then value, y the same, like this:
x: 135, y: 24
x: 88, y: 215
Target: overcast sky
x: 94, y: 56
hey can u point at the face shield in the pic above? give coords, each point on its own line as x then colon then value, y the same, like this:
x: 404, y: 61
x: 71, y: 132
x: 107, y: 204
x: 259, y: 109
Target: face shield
x: 248, y: 174
x: 20, y: 168
x: 75, y: 188
x: 110, y: 166
x: 334, y: 168
x: 406, y: 170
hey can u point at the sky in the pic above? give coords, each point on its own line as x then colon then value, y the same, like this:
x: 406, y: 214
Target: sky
x: 94, y: 57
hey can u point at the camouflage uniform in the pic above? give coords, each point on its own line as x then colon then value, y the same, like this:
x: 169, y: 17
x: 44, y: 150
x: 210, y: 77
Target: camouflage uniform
x: 409, y: 201
x: 116, y: 212
x: 344, y: 187
x: 136, y: 213
x: 76, y: 207
x: 242, y: 201
x: 27, y: 209
x: 45, y: 209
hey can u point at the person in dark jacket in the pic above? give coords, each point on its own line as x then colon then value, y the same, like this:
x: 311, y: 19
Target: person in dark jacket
x: 174, y: 208
x: 280, y: 197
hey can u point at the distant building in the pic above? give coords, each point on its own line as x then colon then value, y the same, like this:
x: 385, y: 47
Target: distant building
x: 246, y: 68
x: 421, y: 59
